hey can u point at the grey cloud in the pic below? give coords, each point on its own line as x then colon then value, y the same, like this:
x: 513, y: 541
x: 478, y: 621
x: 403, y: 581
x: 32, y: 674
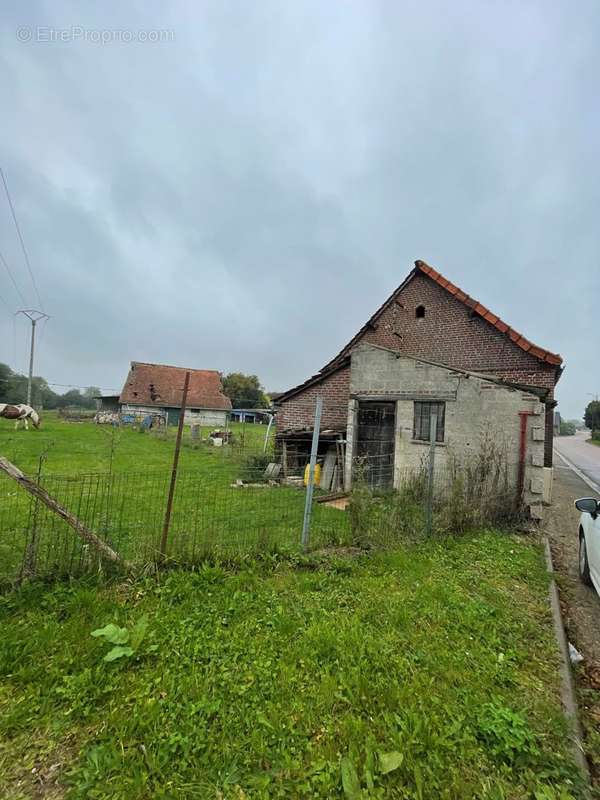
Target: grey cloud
x: 245, y: 196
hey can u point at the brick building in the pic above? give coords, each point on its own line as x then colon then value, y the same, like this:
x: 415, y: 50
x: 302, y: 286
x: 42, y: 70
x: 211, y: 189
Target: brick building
x: 429, y: 318
x: 158, y: 389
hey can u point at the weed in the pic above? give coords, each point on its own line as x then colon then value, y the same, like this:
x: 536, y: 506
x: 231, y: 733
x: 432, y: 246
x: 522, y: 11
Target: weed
x: 506, y: 734
x: 125, y: 643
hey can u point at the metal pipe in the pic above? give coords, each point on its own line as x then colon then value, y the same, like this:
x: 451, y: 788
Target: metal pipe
x: 522, y: 455
x: 311, y: 473
x: 271, y: 417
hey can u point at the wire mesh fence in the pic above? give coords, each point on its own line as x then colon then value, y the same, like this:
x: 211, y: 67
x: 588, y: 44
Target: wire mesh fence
x: 245, y: 492
x: 213, y: 514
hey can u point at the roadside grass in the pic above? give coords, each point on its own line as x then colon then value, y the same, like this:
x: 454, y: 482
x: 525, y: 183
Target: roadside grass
x: 426, y: 672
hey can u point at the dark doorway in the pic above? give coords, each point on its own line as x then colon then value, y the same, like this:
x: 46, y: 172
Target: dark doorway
x: 174, y: 414
x: 375, y: 442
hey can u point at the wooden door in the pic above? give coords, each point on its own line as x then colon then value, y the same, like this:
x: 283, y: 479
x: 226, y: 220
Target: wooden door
x: 375, y: 442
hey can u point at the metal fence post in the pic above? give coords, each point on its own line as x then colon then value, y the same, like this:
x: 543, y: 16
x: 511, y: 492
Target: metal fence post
x: 271, y: 418
x: 311, y: 473
x: 431, y: 473
x: 165, y: 531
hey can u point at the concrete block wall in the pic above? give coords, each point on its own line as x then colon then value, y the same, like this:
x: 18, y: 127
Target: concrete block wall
x: 474, y: 407
x: 205, y: 416
x: 449, y: 333
x: 202, y: 416
x: 129, y: 408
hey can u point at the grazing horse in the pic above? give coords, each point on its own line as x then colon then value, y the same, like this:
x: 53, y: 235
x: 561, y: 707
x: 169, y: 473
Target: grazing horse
x: 20, y: 412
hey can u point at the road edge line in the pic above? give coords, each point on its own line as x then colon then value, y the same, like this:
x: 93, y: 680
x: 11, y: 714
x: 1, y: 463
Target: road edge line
x: 578, y: 472
x: 568, y: 696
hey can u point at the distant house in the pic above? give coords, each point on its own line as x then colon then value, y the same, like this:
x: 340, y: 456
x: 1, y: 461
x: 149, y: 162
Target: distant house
x: 158, y: 389
x: 253, y: 415
x: 108, y: 403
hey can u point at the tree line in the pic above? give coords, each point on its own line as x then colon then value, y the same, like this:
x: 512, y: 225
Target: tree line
x: 13, y: 389
x: 592, y: 418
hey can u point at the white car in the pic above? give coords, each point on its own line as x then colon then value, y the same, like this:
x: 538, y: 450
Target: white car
x: 589, y: 541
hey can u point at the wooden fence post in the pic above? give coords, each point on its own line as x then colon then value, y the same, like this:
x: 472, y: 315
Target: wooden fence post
x: 80, y: 529
x: 167, y: 522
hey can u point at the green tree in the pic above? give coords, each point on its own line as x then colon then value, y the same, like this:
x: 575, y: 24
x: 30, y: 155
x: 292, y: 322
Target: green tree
x: 592, y: 415
x: 16, y: 389
x: 244, y: 391
x: 13, y: 389
x: 72, y: 398
x: 90, y: 393
x: 5, y: 376
x: 567, y: 428
x: 577, y: 423
x: 48, y: 397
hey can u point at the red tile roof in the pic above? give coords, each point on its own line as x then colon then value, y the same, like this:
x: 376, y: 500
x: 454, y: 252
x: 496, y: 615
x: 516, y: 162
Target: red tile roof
x: 475, y: 305
x: 161, y: 385
x: 493, y: 319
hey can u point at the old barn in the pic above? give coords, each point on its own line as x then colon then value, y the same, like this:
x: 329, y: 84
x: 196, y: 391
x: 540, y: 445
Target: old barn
x: 158, y: 389
x: 430, y: 349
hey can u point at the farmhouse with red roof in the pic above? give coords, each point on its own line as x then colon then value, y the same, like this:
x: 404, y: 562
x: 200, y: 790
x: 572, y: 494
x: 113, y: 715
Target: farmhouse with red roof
x: 157, y: 389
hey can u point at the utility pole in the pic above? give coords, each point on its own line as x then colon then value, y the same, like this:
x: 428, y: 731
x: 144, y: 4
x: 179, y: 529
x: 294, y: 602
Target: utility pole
x: 34, y: 316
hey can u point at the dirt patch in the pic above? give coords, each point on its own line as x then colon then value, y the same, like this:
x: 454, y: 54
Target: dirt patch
x: 42, y: 778
x: 580, y: 605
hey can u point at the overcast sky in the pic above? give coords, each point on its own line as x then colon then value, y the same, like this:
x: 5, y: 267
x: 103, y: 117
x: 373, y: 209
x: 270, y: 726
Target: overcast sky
x: 243, y: 194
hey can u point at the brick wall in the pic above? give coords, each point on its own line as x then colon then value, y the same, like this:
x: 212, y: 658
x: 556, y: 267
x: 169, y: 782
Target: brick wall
x: 448, y: 333
x: 299, y: 411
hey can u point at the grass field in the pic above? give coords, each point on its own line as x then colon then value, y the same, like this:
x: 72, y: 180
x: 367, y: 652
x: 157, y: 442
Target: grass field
x: 74, y: 448
x: 428, y: 672
x: 116, y: 481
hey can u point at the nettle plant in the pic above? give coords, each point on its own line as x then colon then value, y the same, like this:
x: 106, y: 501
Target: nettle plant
x: 125, y: 643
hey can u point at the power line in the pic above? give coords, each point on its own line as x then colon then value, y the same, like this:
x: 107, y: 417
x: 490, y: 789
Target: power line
x: 12, y: 277
x: 14, y: 216
x: 74, y: 386
x: 4, y: 303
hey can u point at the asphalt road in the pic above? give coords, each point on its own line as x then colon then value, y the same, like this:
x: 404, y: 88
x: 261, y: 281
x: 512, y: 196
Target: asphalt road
x: 580, y: 453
